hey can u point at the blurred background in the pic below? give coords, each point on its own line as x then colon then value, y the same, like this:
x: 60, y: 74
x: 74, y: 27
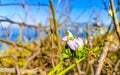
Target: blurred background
x: 70, y: 15
x: 31, y: 33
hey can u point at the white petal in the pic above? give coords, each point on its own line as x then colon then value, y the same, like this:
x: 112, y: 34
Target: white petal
x: 65, y: 38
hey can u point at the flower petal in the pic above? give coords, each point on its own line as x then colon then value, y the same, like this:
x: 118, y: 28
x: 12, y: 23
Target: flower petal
x: 79, y: 42
x: 70, y: 35
x: 72, y: 44
x: 65, y: 38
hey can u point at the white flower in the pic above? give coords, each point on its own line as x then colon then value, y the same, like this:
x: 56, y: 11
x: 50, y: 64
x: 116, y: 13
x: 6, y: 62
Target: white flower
x: 76, y: 44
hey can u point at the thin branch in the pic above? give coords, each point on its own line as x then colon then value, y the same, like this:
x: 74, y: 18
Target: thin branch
x: 13, y: 44
x: 16, y: 65
x: 67, y: 16
x: 83, y: 11
x: 4, y: 56
x: 118, y: 4
x: 21, y: 24
x: 31, y: 58
x: 55, y: 24
x: 63, y: 10
x: 14, y: 56
x: 102, y: 58
x: 22, y: 4
x: 115, y: 19
x: 79, y: 69
x: 12, y: 70
x: 27, y: 11
x: 105, y: 5
x: 117, y: 65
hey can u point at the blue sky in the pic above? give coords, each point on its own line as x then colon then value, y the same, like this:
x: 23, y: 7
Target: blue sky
x: 40, y: 14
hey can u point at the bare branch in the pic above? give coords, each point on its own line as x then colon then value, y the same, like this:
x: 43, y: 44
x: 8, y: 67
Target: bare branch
x: 102, y: 58
x: 115, y: 19
x: 16, y: 65
x: 31, y: 58
x: 117, y: 65
x: 55, y: 24
x: 20, y: 24
x: 22, y: 4
x: 13, y: 44
x: 12, y: 70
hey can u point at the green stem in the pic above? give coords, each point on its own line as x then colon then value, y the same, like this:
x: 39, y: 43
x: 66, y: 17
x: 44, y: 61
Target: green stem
x: 56, y: 68
x: 71, y: 66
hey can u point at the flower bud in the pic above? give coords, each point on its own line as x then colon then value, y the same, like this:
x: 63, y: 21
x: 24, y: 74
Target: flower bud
x: 70, y: 35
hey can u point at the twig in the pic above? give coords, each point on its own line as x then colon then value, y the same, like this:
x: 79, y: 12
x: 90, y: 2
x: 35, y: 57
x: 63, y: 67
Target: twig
x: 55, y: 24
x: 102, y: 58
x: 16, y: 65
x: 63, y: 10
x: 92, y: 69
x: 4, y: 56
x: 79, y: 69
x: 105, y: 5
x: 21, y: 24
x: 31, y: 58
x: 13, y: 44
x: 115, y: 19
x: 22, y: 4
x: 53, y: 63
x: 87, y: 66
x: 27, y: 11
x: 118, y: 4
x: 67, y: 16
x: 116, y: 66
x: 14, y: 56
x: 12, y: 70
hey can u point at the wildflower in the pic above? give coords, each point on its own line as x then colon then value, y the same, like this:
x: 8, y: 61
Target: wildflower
x: 72, y: 42
x: 75, y: 44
